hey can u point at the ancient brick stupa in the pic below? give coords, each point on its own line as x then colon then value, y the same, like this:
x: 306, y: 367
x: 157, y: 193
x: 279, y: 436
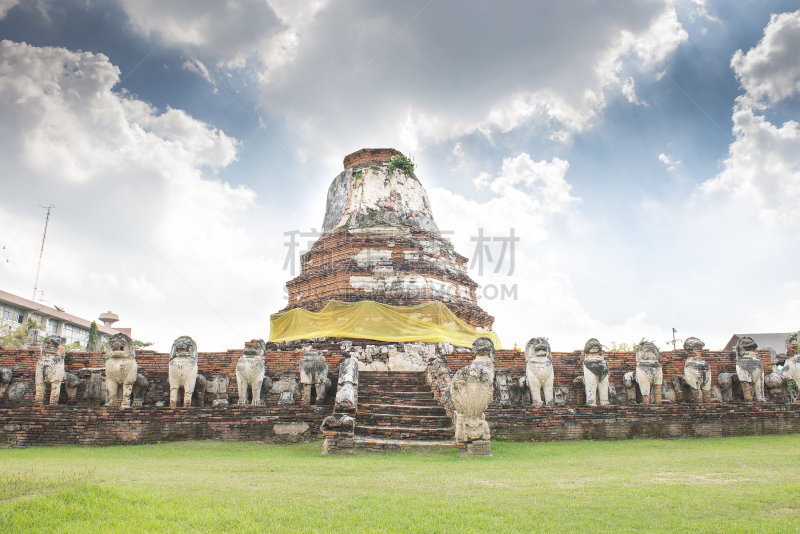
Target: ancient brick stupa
x: 380, y: 244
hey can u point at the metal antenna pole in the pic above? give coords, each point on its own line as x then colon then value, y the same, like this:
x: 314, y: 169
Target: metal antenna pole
x: 41, y: 252
x: 674, y: 341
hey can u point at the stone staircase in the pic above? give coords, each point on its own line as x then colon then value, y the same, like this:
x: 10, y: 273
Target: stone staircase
x: 397, y: 410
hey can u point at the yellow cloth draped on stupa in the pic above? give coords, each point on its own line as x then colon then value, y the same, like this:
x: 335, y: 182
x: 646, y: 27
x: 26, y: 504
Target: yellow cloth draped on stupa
x: 431, y: 322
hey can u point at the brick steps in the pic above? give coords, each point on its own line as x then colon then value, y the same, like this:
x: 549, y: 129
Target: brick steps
x: 389, y: 399
x: 393, y: 445
x: 401, y: 432
x: 380, y: 388
x: 399, y: 407
x: 388, y: 419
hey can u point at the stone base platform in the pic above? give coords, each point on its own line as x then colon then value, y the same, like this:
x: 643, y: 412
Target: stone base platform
x: 372, y: 444
x: 562, y: 423
x: 64, y: 425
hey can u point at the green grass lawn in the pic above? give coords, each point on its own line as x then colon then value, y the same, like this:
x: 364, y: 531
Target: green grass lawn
x: 749, y: 484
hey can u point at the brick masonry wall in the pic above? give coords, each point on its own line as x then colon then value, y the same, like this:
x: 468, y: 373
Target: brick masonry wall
x: 30, y: 425
x: 370, y: 155
x: 64, y: 425
x: 284, y: 363
x: 558, y: 423
x: 329, y: 265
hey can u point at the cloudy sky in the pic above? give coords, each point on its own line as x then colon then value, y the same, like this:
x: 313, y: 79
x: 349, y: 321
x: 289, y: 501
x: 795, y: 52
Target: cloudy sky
x: 646, y: 153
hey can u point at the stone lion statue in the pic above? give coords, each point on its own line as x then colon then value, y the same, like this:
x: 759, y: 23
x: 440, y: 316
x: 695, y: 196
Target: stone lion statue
x: 471, y: 391
x: 790, y: 370
x: 182, y: 370
x: 251, y: 371
x: 649, y: 375
x: 539, y: 370
x: 696, y: 372
x: 595, y: 373
x: 750, y: 370
x: 121, y: 370
x: 50, y: 369
x: 314, y: 373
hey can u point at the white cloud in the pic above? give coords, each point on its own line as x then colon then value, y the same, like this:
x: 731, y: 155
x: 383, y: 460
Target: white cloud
x: 227, y: 33
x: 770, y: 71
x: 534, y: 198
x: 413, y: 76
x: 6, y: 5
x: 701, y: 10
x: 762, y: 169
x: 198, y: 68
x: 629, y: 91
x: 137, y: 189
x: 671, y: 163
x: 658, y: 40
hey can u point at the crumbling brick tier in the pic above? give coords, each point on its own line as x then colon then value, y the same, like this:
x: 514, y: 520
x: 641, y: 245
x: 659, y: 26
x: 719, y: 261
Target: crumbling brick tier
x: 63, y: 425
x: 339, y: 265
x: 370, y: 156
x: 282, y: 360
x: 30, y: 426
x: 562, y: 423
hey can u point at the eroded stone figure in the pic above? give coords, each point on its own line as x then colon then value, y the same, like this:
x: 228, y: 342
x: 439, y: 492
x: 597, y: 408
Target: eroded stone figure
x: 314, y: 373
x: 595, y: 374
x: 502, y: 379
x: 750, y: 370
x: 5, y: 379
x: 121, y: 370
x: 50, y: 369
x: 16, y: 392
x: 791, y: 367
x: 696, y: 372
x: 539, y: 370
x: 140, y: 389
x: 347, y: 397
x: 182, y: 370
x: 288, y: 388
x: 471, y: 391
x: 201, y: 386
x: 629, y: 386
x: 250, y: 372
x: 725, y: 383
x: 70, y: 385
x: 649, y: 375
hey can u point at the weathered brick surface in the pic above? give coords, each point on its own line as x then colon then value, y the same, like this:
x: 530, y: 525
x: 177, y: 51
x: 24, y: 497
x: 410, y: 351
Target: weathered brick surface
x: 62, y: 425
x: 625, y: 422
x: 282, y: 362
x: 368, y: 156
x: 29, y: 425
x: 328, y: 266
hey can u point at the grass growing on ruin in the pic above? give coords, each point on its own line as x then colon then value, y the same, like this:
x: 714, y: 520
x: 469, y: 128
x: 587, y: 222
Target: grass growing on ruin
x: 708, y: 485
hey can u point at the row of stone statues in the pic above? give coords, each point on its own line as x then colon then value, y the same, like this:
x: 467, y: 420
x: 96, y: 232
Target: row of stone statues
x: 648, y: 373
x: 125, y: 386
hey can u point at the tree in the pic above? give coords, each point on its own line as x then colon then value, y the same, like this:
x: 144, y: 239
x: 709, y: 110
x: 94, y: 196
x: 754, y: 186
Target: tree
x: 141, y: 344
x: 91, y: 344
x: 403, y: 164
x: 75, y: 346
x: 13, y: 337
